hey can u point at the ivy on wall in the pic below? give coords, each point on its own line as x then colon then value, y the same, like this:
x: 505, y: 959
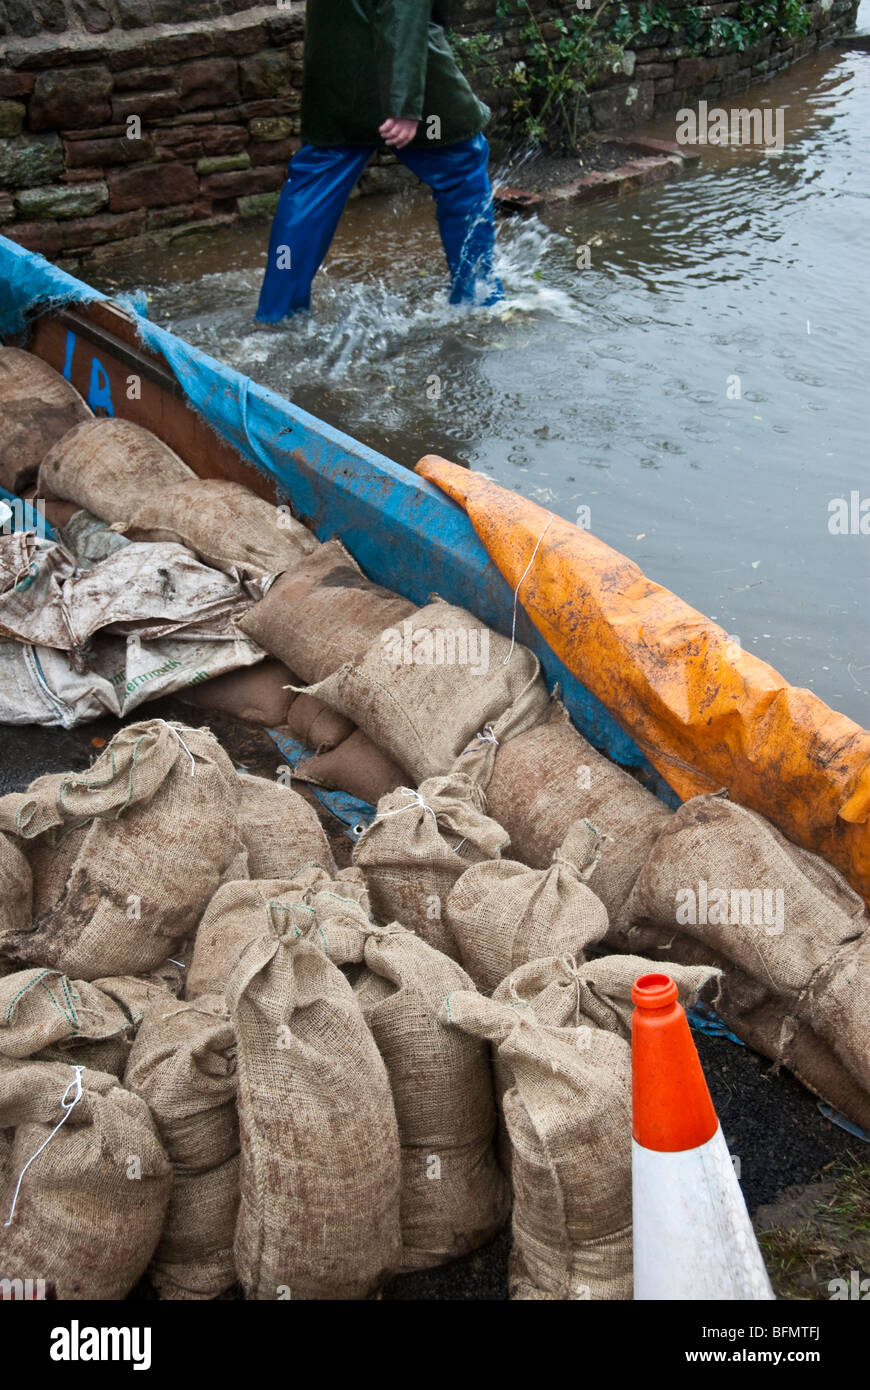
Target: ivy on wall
x: 567, y: 54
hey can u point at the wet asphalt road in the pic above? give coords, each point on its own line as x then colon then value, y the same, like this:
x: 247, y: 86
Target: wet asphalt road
x: 770, y: 1121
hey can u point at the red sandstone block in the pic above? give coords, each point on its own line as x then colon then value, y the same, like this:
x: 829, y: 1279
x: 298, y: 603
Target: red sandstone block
x: 239, y: 182
x: 151, y: 185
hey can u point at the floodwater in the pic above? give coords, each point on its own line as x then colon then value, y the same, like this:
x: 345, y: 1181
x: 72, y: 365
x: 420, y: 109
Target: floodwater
x: 701, y: 387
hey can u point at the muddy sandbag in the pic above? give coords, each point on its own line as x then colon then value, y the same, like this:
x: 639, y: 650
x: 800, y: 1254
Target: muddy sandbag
x: 258, y: 694
x: 568, y: 1115
x: 418, y: 845
x: 561, y: 1037
x: 356, y: 766
x: 110, y: 466
x: 37, y: 407
x: 423, y: 692
x: 502, y: 914
x: 183, y: 1065
x: 546, y: 778
x: 454, y: 1198
x: 322, y: 613
x: 226, y: 524
x: 725, y: 876
x: 280, y: 829
x: 16, y: 888
x: 89, y: 1210
x: 316, y: 725
x: 127, y: 855
x: 46, y: 1016
x: 320, y: 1174
x: 237, y: 912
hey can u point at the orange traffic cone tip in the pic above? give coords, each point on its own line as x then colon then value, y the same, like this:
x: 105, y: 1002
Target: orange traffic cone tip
x: 671, y: 1106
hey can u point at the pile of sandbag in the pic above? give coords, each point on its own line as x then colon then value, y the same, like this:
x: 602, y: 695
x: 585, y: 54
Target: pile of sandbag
x: 140, y: 594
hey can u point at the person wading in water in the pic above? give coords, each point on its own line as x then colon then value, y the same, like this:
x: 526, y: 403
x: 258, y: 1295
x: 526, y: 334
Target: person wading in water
x: 382, y: 71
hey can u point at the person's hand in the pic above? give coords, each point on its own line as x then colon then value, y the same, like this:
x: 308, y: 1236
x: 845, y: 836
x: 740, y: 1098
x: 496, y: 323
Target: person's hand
x: 397, y: 132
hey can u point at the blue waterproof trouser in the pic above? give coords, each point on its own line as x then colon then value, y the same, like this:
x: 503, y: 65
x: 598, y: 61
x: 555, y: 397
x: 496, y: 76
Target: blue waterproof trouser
x: 319, y: 184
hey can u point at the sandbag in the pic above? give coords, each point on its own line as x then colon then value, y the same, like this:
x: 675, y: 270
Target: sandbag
x: 280, y: 830
x: 236, y: 914
x: 320, y: 1173
x: 322, y: 613
x: 110, y: 466
x: 46, y: 1016
x: 454, y: 1197
x: 423, y: 692
x: 16, y: 888
x: 568, y: 1114
x: 546, y: 778
x: 354, y: 766
x: 417, y: 847
x: 37, y: 407
x: 316, y: 725
x: 723, y: 875
x: 502, y: 914
x: 90, y: 1209
x: 226, y: 524
x: 183, y: 1065
x: 561, y: 1032
x: 127, y: 855
x: 257, y: 694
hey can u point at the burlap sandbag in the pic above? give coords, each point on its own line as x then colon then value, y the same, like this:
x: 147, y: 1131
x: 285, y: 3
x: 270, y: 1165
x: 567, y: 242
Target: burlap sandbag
x: 417, y: 847
x: 91, y: 1207
x: 183, y: 1065
x: 422, y: 692
x: 355, y: 766
x: 548, y: 777
x: 16, y: 888
x: 322, y: 613
x: 320, y: 1176
x: 37, y: 407
x: 726, y: 877
x: 454, y: 1198
x: 45, y: 1015
x: 127, y: 855
x: 561, y: 1032
x: 568, y: 1114
x: 109, y: 467
x: 502, y: 914
x: 316, y: 725
x: 259, y: 694
x: 237, y: 913
x: 226, y: 524
x: 280, y: 830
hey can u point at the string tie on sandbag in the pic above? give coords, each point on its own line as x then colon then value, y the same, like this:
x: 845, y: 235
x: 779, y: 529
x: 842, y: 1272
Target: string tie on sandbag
x: 67, y: 1106
x: 517, y: 591
x: 416, y: 802
x: 182, y: 742
x: 486, y: 735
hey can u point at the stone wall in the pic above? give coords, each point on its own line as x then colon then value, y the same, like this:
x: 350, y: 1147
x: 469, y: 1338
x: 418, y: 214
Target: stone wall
x: 115, y: 122
x: 661, y: 76
x: 120, y: 118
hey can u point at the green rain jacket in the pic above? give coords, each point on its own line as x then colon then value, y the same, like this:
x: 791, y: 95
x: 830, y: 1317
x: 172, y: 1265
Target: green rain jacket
x: 366, y: 60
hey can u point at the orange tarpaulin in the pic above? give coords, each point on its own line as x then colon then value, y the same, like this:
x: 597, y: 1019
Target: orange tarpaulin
x: 705, y: 713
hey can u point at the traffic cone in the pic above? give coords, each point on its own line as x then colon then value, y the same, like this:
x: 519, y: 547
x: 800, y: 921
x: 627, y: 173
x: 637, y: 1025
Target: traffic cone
x: 692, y: 1235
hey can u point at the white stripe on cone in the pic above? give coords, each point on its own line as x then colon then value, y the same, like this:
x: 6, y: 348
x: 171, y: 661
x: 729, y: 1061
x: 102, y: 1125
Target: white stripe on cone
x: 693, y: 1238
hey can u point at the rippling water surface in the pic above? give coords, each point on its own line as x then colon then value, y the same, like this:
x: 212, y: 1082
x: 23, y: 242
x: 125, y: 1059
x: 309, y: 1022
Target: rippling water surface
x: 609, y: 387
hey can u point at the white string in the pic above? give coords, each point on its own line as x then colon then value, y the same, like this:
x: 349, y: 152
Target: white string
x: 486, y: 735
x: 183, y: 744
x: 517, y: 591
x: 417, y: 801
x: 68, y: 1109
